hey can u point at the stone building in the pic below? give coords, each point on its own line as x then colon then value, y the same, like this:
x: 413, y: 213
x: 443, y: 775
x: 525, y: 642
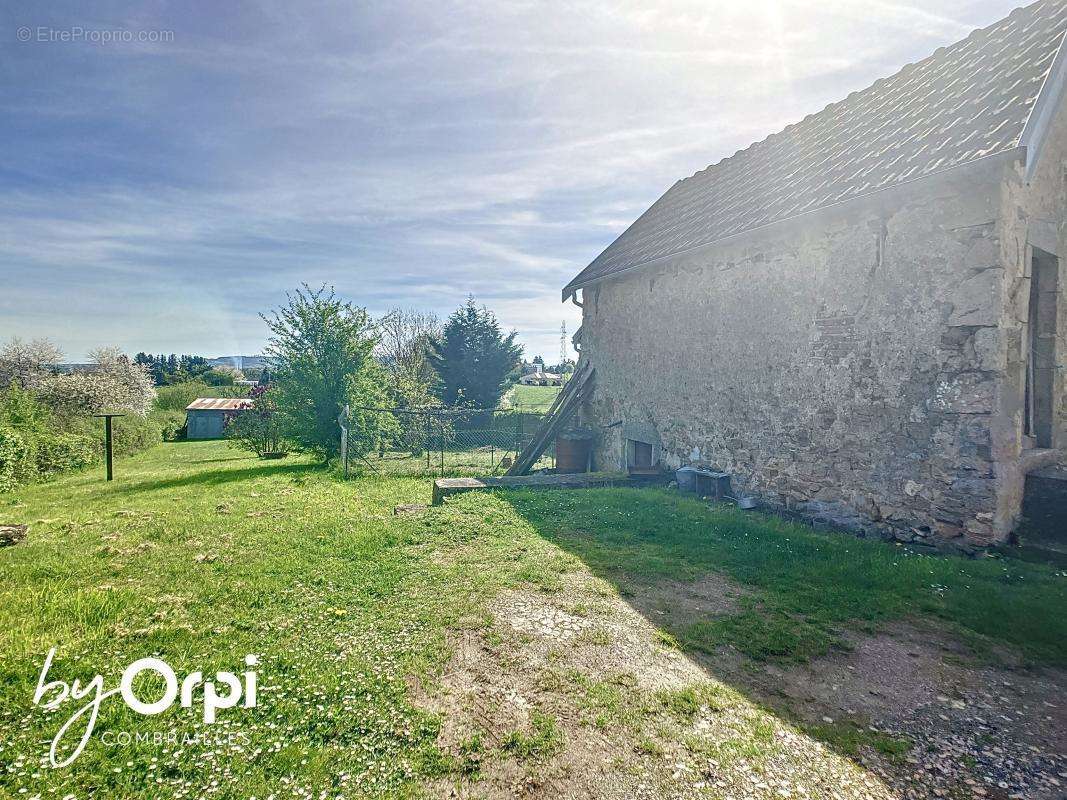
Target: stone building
x: 861, y: 318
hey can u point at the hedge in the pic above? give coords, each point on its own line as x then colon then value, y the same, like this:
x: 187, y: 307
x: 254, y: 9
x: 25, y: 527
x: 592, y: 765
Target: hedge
x: 38, y: 443
x: 17, y: 464
x: 171, y: 424
x: 63, y: 452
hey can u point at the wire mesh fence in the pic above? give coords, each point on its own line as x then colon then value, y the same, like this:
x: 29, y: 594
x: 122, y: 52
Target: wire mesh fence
x: 451, y: 442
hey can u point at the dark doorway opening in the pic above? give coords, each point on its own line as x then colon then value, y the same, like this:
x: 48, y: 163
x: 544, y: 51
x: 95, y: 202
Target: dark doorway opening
x: 641, y: 456
x: 1041, y: 349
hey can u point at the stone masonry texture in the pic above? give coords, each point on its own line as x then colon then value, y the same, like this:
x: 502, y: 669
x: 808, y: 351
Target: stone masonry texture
x: 863, y: 366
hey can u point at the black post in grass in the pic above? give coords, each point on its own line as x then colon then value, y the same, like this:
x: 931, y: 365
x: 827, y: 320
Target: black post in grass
x: 108, y: 450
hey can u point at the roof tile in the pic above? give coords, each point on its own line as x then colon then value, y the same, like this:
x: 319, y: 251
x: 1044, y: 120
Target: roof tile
x: 965, y: 102
x: 219, y: 404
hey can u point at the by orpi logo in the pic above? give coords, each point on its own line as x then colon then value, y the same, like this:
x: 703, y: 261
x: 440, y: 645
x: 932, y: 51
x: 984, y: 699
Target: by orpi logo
x: 94, y: 690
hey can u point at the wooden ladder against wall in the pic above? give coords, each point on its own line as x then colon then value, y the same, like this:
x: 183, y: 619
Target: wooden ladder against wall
x: 575, y: 392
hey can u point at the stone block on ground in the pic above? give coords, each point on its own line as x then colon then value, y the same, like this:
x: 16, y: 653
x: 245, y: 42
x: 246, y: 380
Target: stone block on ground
x: 445, y: 487
x: 12, y: 534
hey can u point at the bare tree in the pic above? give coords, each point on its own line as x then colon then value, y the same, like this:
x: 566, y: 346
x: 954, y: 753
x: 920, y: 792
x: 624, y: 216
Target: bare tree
x: 27, y: 361
x: 406, y: 335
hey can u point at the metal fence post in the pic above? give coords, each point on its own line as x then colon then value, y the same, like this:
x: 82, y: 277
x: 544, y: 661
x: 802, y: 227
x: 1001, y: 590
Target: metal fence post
x: 342, y: 421
x: 108, y: 449
x: 109, y: 455
x: 426, y: 442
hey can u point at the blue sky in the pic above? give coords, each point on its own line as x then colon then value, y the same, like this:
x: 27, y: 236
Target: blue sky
x: 156, y: 195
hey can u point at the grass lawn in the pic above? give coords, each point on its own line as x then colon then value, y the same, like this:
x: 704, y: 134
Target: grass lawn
x: 200, y: 555
x: 532, y: 398
x: 803, y: 587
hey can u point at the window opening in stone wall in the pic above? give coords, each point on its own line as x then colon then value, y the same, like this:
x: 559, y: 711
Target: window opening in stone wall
x: 1041, y: 350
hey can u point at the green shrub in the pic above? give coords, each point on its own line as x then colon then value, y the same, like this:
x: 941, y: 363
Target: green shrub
x: 17, y: 462
x: 38, y: 443
x: 21, y: 410
x: 259, y: 428
x: 171, y: 424
x: 133, y: 434
x: 63, y: 452
x: 221, y: 376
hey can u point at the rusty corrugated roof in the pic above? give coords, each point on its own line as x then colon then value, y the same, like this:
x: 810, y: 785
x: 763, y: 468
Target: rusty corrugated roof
x: 965, y: 102
x: 219, y: 404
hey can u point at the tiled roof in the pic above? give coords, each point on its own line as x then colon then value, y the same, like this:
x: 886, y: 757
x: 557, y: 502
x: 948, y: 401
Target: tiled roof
x: 219, y: 404
x: 963, y: 103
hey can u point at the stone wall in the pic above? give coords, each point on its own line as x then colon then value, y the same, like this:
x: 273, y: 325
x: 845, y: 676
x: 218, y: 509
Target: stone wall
x: 1032, y: 216
x: 848, y: 366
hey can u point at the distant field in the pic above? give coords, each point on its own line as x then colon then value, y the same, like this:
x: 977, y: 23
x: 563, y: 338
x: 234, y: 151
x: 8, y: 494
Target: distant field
x: 532, y: 398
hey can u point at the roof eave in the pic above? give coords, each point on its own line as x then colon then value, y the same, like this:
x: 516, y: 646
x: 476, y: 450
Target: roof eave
x: 1049, y: 98
x: 1005, y: 155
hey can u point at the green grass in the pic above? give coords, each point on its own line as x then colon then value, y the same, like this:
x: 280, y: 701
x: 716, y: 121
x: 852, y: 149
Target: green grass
x: 200, y: 555
x: 532, y: 398
x: 803, y: 586
x: 541, y: 742
x: 849, y: 738
x: 762, y: 635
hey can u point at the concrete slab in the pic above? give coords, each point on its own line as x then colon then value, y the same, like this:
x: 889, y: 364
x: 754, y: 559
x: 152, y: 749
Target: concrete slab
x: 446, y: 487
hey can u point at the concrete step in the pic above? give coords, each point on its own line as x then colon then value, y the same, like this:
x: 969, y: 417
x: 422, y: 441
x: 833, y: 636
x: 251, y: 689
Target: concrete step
x: 446, y: 487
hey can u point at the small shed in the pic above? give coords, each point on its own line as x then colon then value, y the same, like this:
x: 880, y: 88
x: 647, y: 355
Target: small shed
x: 207, y: 417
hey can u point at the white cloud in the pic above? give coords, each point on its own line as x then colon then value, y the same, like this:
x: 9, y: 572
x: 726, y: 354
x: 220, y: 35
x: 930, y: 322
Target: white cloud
x: 409, y: 153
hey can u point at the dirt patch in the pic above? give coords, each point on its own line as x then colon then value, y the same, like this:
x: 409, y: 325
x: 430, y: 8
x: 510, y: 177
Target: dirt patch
x: 683, y: 603
x: 602, y: 636
x: 484, y: 697
x: 983, y: 730
x: 999, y: 731
x: 881, y: 675
x: 636, y: 718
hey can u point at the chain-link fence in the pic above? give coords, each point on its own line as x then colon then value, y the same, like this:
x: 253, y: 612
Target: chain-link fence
x: 451, y: 442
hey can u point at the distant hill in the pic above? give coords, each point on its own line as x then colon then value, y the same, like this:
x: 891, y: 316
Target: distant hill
x: 240, y: 362
x: 72, y: 367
